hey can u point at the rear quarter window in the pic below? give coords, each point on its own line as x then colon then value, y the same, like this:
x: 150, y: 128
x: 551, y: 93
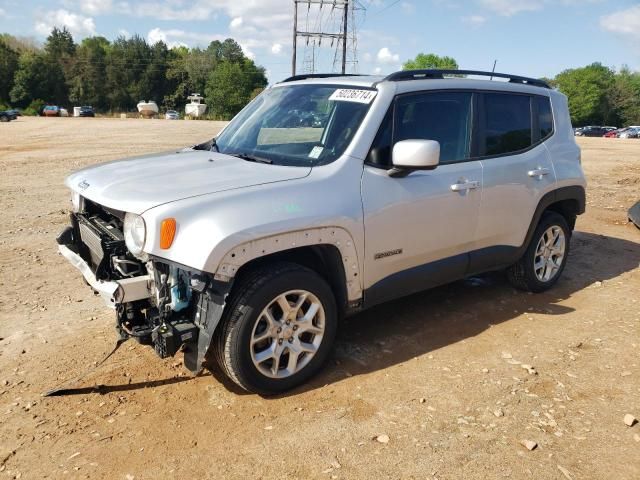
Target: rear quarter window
x: 545, y: 117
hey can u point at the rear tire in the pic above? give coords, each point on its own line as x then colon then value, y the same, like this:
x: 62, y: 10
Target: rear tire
x: 277, y: 330
x: 543, y: 261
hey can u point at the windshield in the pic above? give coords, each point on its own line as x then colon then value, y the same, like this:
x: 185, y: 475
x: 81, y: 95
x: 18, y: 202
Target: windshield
x: 297, y: 125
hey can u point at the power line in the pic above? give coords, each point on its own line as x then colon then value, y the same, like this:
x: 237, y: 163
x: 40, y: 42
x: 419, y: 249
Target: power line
x: 384, y: 9
x: 331, y: 27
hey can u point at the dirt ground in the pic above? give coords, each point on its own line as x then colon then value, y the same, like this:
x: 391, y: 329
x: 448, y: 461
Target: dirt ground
x: 439, y: 373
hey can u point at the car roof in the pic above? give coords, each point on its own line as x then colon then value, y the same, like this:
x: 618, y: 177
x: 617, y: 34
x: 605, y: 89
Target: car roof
x: 371, y: 81
x: 349, y: 80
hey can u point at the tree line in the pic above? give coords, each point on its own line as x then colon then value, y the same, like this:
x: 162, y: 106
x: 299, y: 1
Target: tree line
x: 115, y: 76
x: 598, y: 95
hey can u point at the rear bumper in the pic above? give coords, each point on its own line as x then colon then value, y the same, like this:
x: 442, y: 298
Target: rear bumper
x: 113, y: 292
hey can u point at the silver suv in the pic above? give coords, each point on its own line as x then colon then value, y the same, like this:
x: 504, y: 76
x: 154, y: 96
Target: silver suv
x: 324, y: 196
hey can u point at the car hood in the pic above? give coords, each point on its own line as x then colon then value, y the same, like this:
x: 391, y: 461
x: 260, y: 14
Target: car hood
x: 140, y: 183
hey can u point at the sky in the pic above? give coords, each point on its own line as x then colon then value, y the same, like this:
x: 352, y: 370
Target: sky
x: 527, y: 37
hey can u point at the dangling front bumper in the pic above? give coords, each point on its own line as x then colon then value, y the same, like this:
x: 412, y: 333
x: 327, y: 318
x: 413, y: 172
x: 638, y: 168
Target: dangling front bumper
x: 113, y: 292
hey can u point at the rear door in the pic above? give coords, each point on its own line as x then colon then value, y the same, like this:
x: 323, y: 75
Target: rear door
x: 517, y: 172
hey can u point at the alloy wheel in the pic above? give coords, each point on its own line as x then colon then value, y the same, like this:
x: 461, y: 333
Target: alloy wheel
x: 549, y: 253
x: 287, y: 334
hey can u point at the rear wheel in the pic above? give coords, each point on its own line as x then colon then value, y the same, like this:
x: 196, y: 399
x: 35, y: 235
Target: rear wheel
x: 546, y: 256
x: 278, y: 330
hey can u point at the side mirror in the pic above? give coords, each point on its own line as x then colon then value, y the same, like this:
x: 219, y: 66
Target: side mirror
x: 409, y: 155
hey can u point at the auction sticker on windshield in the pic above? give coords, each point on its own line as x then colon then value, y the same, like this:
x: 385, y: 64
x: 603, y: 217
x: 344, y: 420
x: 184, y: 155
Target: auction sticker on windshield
x: 353, y: 95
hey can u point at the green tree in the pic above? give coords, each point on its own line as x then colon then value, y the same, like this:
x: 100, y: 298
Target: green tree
x: 128, y: 60
x: 231, y: 86
x: 60, y: 51
x: 19, y: 44
x: 87, y: 80
x: 179, y: 85
x: 624, y: 96
x: 199, y: 64
x: 154, y: 79
x: 8, y: 67
x: 588, y: 89
x: 59, y: 45
x: 430, y: 61
x: 226, y: 51
x: 37, y: 77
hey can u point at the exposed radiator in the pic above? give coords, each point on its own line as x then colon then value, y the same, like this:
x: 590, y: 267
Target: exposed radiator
x: 101, y: 241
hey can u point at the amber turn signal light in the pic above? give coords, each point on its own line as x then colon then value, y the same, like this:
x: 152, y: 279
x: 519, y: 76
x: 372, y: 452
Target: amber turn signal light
x: 167, y: 232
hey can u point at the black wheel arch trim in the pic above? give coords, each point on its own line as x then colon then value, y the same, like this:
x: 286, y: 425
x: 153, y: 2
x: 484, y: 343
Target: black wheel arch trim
x: 573, y: 192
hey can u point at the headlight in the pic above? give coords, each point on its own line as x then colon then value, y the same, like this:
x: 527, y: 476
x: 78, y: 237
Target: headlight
x: 77, y: 202
x: 135, y: 233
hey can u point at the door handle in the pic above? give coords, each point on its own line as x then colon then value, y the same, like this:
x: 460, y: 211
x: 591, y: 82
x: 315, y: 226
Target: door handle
x: 463, y: 186
x: 538, y: 172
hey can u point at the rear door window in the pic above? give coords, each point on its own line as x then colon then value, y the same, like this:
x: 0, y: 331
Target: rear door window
x: 507, y: 124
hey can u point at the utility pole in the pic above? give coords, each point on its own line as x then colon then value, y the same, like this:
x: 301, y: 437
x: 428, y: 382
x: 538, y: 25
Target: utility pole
x: 295, y: 37
x: 344, y: 36
x: 340, y: 37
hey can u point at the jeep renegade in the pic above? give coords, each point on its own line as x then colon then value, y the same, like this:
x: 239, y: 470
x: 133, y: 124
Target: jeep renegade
x: 324, y: 196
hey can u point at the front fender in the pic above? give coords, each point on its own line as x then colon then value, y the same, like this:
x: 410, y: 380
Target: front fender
x: 338, y: 237
x: 218, y: 233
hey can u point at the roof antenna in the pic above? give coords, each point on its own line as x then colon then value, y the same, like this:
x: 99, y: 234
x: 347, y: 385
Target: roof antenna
x: 493, y: 70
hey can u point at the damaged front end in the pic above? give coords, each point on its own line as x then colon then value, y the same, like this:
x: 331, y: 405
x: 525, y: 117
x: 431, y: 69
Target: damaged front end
x: 157, y: 302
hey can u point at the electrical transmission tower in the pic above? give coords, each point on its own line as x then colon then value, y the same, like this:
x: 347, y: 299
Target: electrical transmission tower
x: 333, y: 21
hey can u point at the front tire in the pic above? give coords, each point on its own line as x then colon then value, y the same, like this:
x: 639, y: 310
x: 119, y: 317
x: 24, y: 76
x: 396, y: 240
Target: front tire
x: 278, y: 329
x: 542, y: 263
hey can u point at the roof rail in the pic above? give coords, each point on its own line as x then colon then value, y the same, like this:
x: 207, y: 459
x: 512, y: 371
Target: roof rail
x: 306, y: 76
x: 405, y: 75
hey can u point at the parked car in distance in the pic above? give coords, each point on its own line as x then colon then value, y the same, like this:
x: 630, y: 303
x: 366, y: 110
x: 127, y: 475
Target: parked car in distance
x: 64, y: 112
x: 51, y: 111
x: 16, y: 112
x: 248, y: 249
x: 612, y: 133
x: 86, y: 111
x: 172, y: 115
x: 592, y: 131
x: 6, y: 116
x: 631, y: 132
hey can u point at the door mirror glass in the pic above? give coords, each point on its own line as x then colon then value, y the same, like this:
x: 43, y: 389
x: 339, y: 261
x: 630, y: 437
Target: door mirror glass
x: 416, y: 154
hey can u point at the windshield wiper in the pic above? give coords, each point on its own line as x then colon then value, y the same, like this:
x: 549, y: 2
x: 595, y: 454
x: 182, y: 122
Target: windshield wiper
x: 251, y: 158
x: 208, y: 146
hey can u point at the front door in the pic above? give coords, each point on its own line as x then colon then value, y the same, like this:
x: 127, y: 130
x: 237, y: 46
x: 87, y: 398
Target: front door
x: 420, y: 228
